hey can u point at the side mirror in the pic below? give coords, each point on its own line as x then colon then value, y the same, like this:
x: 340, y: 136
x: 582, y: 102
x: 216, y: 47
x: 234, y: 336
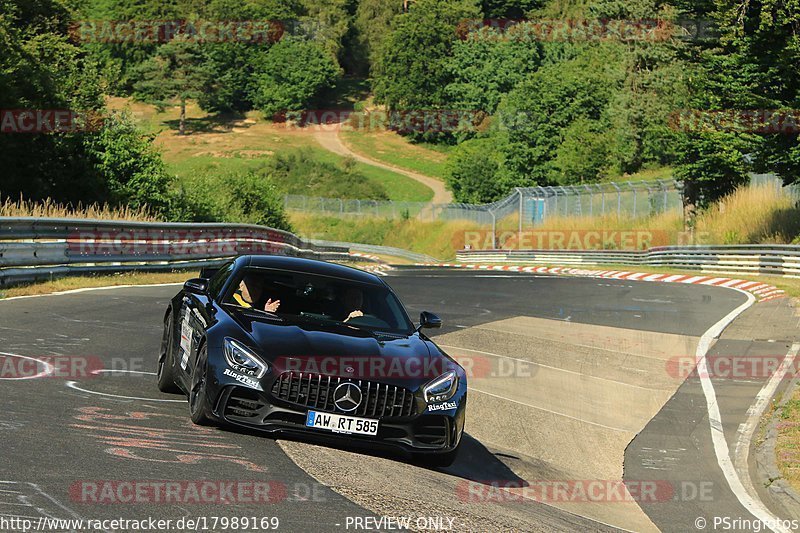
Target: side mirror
x: 428, y: 320
x: 196, y: 286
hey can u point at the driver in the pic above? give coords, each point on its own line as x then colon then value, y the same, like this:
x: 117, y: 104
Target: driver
x: 250, y: 291
x: 353, y: 302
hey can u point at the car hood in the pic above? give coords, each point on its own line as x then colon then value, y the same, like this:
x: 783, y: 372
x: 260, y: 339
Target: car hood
x: 342, y: 351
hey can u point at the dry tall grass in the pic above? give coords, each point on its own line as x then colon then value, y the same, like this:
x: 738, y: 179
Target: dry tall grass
x: 50, y: 209
x: 752, y: 215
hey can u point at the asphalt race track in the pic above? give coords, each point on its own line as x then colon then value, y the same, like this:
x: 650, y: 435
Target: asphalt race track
x: 72, y: 437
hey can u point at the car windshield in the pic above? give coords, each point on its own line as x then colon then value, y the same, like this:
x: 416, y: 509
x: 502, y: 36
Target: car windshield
x: 298, y: 296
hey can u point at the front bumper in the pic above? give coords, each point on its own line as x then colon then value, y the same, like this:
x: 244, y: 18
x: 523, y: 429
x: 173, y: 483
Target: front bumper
x: 419, y: 433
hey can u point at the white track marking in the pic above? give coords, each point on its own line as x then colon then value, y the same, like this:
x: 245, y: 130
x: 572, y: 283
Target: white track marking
x: 555, y: 368
x: 48, y: 368
x: 751, y: 503
x: 88, y: 289
x: 612, y: 428
x: 112, y: 371
x: 742, y: 450
x: 74, y: 385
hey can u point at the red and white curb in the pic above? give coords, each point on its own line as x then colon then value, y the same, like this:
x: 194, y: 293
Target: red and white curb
x: 380, y: 269
x: 763, y: 291
x: 365, y: 256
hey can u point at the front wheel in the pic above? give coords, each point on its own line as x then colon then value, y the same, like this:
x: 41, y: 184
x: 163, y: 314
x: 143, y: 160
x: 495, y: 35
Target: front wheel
x: 166, y: 362
x: 198, y: 394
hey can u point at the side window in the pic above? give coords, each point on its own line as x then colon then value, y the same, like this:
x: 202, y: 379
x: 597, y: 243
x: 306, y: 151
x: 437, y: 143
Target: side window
x: 219, y: 279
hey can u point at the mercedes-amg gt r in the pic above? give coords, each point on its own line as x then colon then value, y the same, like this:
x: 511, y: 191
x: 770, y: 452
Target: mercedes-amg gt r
x: 309, y: 348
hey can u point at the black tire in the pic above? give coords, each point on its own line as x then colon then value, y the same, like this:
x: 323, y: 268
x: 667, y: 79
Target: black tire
x: 166, y: 361
x: 439, y: 460
x: 198, y: 397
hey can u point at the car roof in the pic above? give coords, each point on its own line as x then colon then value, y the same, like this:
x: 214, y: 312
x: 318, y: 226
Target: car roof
x: 310, y: 266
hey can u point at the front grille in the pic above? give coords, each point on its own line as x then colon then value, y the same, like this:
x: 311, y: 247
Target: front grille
x: 316, y: 391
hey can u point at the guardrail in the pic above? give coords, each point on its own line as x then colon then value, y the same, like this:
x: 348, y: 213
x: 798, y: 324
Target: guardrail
x: 378, y: 249
x: 33, y: 249
x: 777, y: 260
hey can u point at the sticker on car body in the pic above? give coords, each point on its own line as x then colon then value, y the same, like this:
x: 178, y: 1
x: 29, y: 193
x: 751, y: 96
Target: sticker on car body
x: 186, y: 340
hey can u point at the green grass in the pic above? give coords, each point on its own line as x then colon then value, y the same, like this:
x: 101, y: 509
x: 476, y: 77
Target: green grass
x: 395, y: 150
x: 646, y: 174
x: 399, y: 188
x: 220, y: 145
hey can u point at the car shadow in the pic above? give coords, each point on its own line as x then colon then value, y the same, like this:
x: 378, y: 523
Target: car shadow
x: 474, y: 462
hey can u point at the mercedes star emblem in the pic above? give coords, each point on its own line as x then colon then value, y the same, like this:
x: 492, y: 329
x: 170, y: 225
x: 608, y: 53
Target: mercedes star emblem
x: 347, y: 397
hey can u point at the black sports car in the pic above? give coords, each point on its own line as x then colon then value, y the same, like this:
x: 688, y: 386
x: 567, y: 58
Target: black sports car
x: 304, y: 347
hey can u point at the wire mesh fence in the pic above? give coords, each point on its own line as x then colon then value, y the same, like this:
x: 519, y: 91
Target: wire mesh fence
x: 533, y: 205
x: 771, y: 180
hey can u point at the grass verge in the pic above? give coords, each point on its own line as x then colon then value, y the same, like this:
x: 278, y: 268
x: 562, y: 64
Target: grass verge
x: 51, y: 209
x: 787, y: 446
x: 83, y: 282
x: 115, y: 280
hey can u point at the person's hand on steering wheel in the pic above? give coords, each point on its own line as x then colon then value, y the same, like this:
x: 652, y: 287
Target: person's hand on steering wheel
x: 354, y: 314
x: 272, y: 307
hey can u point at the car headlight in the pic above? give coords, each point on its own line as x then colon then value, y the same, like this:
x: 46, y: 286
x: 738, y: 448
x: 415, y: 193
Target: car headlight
x: 442, y: 388
x: 243, y: 360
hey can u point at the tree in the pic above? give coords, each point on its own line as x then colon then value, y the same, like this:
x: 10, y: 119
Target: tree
x: 177, y: 71
x: 372, y: 25
x: 411, y: 72
x: 472, y: 172
x: 128, y: 165
x: 292, y: 75
x: 513, y: 9
x: 485, y: 66
x: 534, y: 116
x: 583, y: 155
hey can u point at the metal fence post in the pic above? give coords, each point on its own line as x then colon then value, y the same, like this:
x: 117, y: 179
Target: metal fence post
x: 591, y: 200
x: 619, y: 198
x: 603, y: 199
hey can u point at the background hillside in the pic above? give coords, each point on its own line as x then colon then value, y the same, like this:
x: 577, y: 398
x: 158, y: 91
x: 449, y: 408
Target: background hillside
x: 197, y: 130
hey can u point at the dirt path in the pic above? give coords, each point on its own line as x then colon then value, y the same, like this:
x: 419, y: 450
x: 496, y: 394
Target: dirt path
x: 330, y: 140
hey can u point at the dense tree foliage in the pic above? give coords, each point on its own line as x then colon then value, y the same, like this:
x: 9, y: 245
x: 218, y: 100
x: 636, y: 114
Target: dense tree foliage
x: 292, y: 75
x: 546, y: 108
x: 41, y: 70
x: 176, y: 72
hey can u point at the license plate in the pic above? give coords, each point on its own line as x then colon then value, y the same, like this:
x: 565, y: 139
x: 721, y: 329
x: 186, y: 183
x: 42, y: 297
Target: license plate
x: 342, y: 424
